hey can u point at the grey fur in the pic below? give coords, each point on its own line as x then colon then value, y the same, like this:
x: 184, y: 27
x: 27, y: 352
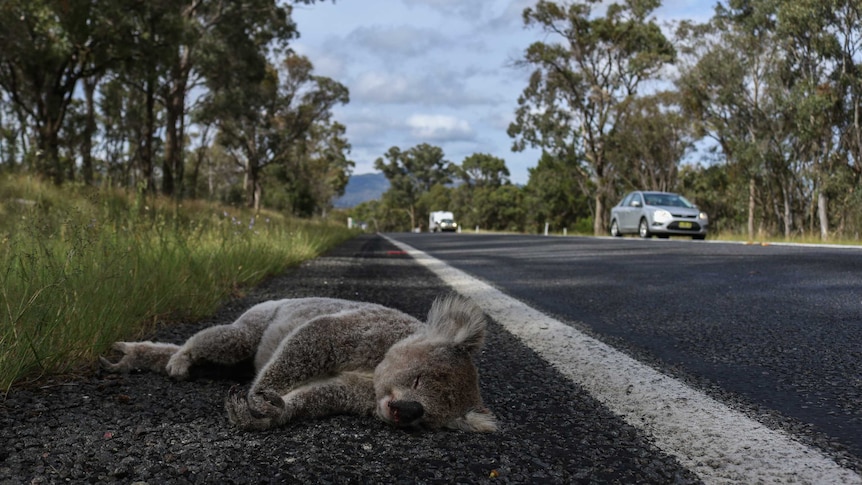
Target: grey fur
x: 320, y: 356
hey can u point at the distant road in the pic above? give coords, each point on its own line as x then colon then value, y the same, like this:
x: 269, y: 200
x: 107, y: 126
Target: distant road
x: 775, y: 331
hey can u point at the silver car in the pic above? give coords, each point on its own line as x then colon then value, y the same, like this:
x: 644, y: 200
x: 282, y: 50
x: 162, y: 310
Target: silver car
x: 658, y: 213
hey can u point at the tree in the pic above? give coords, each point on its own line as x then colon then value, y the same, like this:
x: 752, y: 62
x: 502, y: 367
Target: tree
x: 47, y: 47
x: 572, y: 104
x: 317, y: 172
x: 651, y: 139
x: 219, y: 40
x: 412, y: 173
x: 484, y: 170
x: 728, y: 89
x: 552, y: 195
x: 485, y: 197
x: 270, y: 123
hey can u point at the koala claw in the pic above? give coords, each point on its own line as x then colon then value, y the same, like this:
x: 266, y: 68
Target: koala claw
x: 265, y: 404
x: 254, y: 411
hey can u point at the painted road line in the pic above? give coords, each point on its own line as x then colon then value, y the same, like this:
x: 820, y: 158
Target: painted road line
x: 718, y: 443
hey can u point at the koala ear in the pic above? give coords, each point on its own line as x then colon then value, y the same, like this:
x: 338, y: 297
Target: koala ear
x: 476, y: 420
x: 457, y: 320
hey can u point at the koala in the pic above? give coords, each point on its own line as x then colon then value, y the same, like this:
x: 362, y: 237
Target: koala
x: 315, y: 357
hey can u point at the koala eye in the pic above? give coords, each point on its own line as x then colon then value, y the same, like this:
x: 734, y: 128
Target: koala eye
x: 416, y: 382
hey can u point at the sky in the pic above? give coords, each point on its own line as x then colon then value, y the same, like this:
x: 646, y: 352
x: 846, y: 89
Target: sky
x: 440, y: 72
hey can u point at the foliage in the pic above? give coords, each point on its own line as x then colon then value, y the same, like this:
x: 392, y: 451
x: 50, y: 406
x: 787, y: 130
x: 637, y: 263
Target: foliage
x: 84, y: 268
x: 584, y: 77
x: 412, y: 173
x: 82, y: 99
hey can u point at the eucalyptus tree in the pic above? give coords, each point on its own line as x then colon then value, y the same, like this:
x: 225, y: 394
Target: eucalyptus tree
x: 586, y: 72
x: 271, y: 122
x: 316, y: 172
x: 46, y: 48
x: 653, y: 136
x: 482, y: 198
x: 729, y: 86
x: 484, y: 170
x: 218, y: 40
x: 412, y: 173
x: 551, y: 194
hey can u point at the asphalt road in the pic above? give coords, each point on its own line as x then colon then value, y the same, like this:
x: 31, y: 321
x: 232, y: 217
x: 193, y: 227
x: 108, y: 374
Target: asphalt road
x: 145, y: 428
x: 774, y: 330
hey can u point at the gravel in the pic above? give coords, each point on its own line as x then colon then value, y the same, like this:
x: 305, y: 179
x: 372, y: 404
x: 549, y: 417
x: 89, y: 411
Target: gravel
x: 145, y: 428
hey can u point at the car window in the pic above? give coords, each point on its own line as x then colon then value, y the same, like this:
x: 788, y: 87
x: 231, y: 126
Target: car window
x: 626, y: 200
x: 685, y: 202
x: 636, y: 198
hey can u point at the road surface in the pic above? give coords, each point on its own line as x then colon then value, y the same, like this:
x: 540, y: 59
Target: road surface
x: 772, y: 331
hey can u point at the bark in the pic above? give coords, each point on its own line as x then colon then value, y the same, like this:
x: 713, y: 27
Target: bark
x: 822, y: 214
x: 89, y: 131
x: 752, y: 192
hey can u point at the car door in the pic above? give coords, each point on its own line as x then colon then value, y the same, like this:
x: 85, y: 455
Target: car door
x: 632, y: 211
x: 619, y: 211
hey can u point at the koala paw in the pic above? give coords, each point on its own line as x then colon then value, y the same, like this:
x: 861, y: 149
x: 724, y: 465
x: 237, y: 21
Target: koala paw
x: 178, y: 366
x: 254, y: 411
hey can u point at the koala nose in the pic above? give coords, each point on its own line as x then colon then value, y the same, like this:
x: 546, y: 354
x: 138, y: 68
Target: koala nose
x: 406, y: 412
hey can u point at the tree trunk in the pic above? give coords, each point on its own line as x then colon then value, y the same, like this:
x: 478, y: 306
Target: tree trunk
x: 49, y: 143
x: 149, y: 127
x: 89, y: 131
x: 599, y: 220
x: 752, y: 192
x: 822, y: 213
x: 788, y: 214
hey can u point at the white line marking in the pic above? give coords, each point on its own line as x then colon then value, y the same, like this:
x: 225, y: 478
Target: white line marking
x: 719, y: 444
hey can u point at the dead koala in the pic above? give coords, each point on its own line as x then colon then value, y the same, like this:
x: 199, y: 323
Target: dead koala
x: 315, y: 357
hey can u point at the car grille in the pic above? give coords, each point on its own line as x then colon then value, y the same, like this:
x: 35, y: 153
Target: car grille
x: 675, y: 226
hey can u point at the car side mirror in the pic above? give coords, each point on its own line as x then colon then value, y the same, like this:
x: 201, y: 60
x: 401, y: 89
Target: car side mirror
x: 636, y: 203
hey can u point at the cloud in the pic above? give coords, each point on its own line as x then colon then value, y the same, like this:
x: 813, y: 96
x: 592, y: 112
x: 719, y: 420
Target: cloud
x: 396, y: 43
x: 468, y: 9
x: 439, y: 128
x: 381, y: 87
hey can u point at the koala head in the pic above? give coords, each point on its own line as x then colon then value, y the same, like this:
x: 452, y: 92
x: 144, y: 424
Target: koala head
x: 429, y: 379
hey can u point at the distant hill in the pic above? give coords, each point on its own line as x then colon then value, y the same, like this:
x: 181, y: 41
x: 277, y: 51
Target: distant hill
x: 362, y: 188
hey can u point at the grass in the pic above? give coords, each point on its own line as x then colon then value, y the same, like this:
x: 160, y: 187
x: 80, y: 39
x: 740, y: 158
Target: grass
x: 80, y: 269
x: 798, y: 239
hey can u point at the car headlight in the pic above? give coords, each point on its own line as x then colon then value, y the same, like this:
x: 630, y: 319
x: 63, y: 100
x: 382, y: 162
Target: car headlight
x: 661, y: 216
x: 702, y: 216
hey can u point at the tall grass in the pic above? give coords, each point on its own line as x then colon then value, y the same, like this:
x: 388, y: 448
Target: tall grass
x: 80, y: 269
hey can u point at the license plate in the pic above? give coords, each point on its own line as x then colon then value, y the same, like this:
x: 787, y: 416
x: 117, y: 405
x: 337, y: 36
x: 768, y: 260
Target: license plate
x: 685, y: 225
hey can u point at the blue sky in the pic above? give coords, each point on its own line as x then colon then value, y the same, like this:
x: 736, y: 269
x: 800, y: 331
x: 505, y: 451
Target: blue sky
x: 432, y: 71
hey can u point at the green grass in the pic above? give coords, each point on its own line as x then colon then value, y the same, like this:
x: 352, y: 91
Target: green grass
x: 80, y: 269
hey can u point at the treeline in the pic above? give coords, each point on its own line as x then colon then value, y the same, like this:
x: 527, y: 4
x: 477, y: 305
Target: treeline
x: 206, y: 100
x: 187, y: 98
x: 770, y: 89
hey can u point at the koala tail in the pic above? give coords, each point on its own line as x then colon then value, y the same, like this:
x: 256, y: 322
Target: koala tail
x: 149, y: 356
x: 456, y: 319
x: 476, y: 420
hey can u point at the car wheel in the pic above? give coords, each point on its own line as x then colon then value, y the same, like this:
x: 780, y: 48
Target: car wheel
x: 643, y: 229
x: 615, y: 229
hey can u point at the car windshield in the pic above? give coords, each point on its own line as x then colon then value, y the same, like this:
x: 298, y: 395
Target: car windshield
x: 667, y: 200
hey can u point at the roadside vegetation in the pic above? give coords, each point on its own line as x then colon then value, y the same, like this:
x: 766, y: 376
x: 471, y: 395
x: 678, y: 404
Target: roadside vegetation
x: 754, y: 114
x: 83, y: 267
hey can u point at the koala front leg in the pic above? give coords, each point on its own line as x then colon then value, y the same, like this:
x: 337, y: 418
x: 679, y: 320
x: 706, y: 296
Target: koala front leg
x: 347, y: 393
x: 221, y: 344
x: 151, y: 356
